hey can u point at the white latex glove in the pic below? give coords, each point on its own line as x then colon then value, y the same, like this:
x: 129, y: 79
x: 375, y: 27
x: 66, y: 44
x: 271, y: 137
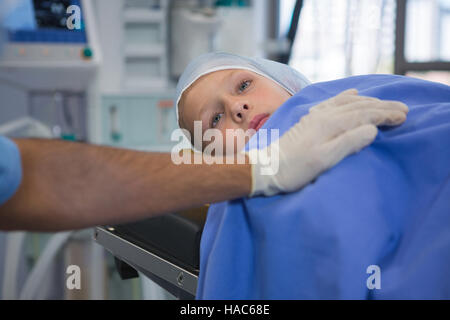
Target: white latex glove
x: 332, y: 130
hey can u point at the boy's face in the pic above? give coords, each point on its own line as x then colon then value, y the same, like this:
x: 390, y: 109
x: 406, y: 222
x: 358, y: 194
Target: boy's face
x: 230, y: 99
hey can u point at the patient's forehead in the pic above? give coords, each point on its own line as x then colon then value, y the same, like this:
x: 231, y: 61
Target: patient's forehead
x: 209, y: 81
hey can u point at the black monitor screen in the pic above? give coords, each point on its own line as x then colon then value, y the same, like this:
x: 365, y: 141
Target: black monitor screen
x: 51, y: 14
x: 42, y: 21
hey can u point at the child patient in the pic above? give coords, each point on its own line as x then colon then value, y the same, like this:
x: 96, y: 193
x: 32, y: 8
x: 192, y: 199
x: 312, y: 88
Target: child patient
x: 225, y: 91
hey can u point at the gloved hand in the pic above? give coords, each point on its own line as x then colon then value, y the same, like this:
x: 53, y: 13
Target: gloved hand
x: 332, y: 130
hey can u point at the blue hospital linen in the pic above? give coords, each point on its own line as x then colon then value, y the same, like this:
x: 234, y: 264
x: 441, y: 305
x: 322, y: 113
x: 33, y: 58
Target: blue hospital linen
x: 10, y: 169
x: 388, y: 205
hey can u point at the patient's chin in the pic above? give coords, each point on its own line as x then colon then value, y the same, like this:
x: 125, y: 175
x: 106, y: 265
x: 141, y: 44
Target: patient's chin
x: 233, y: 142
x: 224, y: 149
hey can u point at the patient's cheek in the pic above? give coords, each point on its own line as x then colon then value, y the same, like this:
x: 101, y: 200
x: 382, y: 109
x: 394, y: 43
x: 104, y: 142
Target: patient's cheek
x: 273, y: 98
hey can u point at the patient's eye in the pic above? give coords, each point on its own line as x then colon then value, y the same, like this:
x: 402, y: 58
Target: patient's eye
x: 244, y: 85
x: 216, y: 119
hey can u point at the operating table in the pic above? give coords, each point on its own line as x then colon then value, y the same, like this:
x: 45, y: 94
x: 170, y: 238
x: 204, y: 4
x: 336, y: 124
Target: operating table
x: 166, y: 249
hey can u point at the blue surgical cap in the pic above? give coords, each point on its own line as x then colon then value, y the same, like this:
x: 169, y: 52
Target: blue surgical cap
x: 288, y: 78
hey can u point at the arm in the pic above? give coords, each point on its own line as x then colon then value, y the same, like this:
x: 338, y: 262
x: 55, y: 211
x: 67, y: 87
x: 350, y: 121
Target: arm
x: 69, y: 186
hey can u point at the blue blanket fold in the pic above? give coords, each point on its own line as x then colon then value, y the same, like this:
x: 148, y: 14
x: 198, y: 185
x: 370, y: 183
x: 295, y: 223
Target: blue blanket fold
x: 388, y: 205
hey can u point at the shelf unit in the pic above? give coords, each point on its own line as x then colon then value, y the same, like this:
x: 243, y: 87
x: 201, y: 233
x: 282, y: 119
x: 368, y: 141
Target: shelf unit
x: 136, y: 109
x: 145, y: 52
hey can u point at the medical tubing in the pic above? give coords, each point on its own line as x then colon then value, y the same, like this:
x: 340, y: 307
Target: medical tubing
x: 37, y: 275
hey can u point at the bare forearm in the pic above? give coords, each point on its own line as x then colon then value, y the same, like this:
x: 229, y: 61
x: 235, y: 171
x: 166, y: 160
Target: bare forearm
x: 70, y: 186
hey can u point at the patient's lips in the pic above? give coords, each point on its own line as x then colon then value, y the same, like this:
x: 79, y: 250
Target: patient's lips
x: 258, y: 121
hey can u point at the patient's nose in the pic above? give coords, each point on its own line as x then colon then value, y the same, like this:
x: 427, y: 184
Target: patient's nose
x: 239, y: 112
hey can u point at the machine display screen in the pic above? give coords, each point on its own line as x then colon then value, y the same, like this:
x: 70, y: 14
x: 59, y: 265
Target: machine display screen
x: 42, y: 21
x: 51, y: 14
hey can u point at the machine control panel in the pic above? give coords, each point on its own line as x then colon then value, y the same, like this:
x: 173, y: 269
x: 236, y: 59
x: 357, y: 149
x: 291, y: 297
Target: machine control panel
x: 50, y: 53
